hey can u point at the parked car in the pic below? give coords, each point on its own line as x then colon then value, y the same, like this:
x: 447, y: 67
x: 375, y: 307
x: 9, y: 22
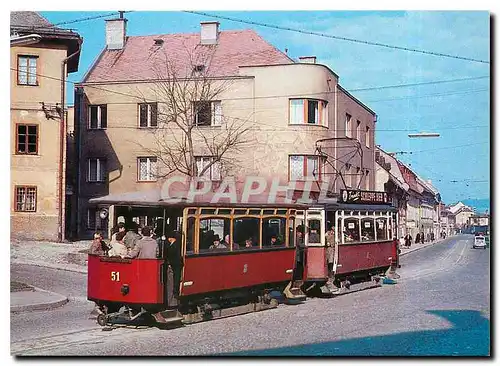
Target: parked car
x: 479, y: 242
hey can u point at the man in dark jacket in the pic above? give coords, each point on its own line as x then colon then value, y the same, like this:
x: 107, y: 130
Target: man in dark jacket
x: 174, y: 259
x: 146, y: 248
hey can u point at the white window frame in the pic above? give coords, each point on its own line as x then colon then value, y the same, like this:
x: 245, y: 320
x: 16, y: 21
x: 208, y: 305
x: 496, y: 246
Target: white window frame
x: 214, y: 172
x: 150, y: 175
x: 348, y: 127
x: 99, y: 117
x: 100, y: 176
x: 304, y: 159
x: 215, y: 114
x: 149, y: 115
x: 367, y: 137
x: 27, y: 73
x: 298, y: 112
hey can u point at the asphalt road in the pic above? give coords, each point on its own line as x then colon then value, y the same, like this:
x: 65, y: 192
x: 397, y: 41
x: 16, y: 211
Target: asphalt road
x: 441, y: 306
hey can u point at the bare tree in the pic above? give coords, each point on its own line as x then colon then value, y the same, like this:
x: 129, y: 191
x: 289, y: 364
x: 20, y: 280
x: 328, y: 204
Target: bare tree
x: 190, y: 120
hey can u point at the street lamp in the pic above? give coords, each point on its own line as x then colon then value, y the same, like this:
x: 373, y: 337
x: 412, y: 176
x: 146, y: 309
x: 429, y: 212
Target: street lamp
x: 423, y: 134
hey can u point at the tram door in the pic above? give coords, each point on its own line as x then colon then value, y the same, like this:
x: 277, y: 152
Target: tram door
x: 315, y: 254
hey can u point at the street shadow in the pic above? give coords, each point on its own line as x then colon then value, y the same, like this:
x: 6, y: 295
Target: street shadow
x: 469, y: 336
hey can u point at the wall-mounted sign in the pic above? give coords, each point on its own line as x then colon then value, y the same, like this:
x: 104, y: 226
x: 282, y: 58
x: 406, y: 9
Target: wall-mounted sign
x: 367, y: 224
x: 364, y: 197
x: 351, y: 225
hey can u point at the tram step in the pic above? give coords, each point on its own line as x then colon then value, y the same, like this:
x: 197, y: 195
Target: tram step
x: 168, y: 316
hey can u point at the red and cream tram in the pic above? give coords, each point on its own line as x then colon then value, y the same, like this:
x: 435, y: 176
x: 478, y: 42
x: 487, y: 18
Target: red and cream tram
x: 364, y: 247
x: 257, y: 257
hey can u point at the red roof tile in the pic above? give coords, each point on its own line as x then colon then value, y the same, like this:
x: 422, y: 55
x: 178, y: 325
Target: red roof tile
x: 410, y: 177
x: 137, y: 59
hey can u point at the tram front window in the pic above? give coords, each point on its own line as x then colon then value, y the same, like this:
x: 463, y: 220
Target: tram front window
x: 190, y: 235
x: 351, y: 230
x: 367, y: 230
x: 314, y: 227
x: 273, y: 231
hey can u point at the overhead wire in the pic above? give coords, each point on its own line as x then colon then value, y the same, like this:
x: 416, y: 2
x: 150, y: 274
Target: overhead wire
x: 378, y: 44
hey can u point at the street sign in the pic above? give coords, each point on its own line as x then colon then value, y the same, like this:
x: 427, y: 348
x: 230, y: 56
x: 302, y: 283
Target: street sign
x: 364, y: 197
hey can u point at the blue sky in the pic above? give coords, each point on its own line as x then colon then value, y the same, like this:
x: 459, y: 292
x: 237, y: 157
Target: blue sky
x: 459, y: 111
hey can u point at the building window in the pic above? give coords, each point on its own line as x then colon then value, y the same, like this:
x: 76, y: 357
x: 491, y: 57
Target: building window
x: 147, y: 169
x: 348, y: 119
x: 94, y: 221
x: 367, y: 137
x: 96, y: 170
x: 303, y: 167
x: 27, y: 139
x: 213, y: 173
x: 358, y: 130
x: 308, y: 111
x: 27, y: 70
x: 148, y: 113
x: 25, y: 199
x: 98, y: 116
x: 207, y: 113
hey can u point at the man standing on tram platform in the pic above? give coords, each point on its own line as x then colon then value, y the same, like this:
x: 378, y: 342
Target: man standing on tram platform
x: 146, y: 248
x: 175, y: 262
x: 330, y: 250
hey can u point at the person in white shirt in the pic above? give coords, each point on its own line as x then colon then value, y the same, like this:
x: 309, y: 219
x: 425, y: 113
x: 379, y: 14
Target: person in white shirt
x: 119, y: 249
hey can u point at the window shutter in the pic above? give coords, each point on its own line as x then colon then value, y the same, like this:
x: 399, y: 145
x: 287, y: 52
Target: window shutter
x: 143, y: 115
x: 93, y: 116
x: 154, y: 115
x: 104, y: 116
x: 217, y: 113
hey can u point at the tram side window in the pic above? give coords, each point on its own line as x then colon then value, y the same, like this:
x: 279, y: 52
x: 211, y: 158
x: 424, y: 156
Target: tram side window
x: 351, y: 230
x: 367, y: 230
x: 246, y: 233
x: 212, y: 233
x: 314, y: 227
x: 273, y: 232
x: 190, y: 235
x: 381, y: 225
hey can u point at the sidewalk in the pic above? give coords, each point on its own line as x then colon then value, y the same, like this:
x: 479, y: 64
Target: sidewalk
x: 24, y: 297
x: 414, y: 247
x: 65, y: 256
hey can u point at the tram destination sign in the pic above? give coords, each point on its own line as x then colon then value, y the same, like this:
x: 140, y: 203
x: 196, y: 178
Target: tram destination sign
x: 364, y: 197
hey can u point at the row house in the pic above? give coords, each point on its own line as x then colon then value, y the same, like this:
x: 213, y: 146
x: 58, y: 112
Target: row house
x: 41, y: 56
x: 429, y: 209
x: 461, y: 213
x: 302, y: 125
x: 388, y: 178
x: 447, y: 221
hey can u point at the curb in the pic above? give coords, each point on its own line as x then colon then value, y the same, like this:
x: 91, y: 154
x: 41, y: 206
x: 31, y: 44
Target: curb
x: 49, y: 265
x: 41, y: 306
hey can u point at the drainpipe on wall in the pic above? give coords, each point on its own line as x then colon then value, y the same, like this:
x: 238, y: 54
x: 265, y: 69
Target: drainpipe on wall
x: 62, y: 131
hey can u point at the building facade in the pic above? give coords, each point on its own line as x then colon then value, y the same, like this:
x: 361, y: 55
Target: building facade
x: 286, y: 106
x: 38, y: 58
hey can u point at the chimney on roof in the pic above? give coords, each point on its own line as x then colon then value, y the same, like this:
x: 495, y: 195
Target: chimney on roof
x: 116, y: 33
x: 209, y: 32
x: 308, y: 59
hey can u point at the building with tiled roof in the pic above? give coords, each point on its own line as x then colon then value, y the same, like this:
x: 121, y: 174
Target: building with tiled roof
x: 284, y: 106
x: 40, y: 54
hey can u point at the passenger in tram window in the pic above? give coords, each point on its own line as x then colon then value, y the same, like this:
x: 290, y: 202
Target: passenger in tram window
x: 274, y: 240
x: 314, y: 236
x: 146, y: 248
x: 248, y: 243
x: 217, y: 243
x: 119, y: 249
x: 132, y: 236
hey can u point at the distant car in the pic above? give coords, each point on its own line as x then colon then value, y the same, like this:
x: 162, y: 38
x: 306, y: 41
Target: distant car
x: 479, y: 242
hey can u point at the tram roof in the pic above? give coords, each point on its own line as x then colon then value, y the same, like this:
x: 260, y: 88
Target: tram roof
x: 333, y: 205
x: 153, y: 197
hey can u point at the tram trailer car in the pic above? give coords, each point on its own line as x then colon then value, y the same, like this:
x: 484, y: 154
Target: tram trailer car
x: 365, y: 247
x: 214, y: 282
